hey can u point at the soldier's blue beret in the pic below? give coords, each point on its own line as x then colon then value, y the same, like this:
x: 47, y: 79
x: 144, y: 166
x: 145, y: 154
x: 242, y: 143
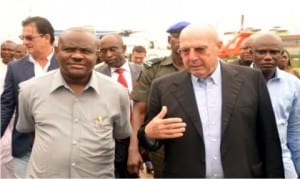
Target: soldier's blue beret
x: 177, y: 28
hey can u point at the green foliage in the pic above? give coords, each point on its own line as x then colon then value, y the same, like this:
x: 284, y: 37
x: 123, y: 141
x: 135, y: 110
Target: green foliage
x: 295, y: 62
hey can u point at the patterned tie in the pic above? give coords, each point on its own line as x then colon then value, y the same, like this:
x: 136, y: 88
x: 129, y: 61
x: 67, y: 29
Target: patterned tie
x: 121, y: 78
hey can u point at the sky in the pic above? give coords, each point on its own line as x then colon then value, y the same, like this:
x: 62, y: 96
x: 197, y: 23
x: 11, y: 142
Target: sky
x: 150, y: 15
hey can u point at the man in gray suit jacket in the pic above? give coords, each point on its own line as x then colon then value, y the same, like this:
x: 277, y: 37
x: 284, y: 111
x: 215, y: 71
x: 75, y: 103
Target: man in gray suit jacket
x: 214, y: 119
x: 112, y: 52
x: 38, y: 37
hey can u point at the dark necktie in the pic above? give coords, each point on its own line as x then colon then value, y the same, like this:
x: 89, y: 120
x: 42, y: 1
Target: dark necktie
x: 121, y: 78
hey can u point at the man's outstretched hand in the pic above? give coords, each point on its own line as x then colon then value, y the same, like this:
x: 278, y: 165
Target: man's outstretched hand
x: 164, y: 128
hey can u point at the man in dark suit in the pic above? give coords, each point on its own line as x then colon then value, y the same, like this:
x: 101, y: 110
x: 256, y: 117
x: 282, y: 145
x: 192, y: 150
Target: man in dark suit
x: 38, y: 37
x: 214, y: 119
x: 112, y: 52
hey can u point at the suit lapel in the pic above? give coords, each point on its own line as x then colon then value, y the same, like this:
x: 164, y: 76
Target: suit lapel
x: 231, y: 84
x: 105, y: 69
x: 53, y: 63
x: 184, y: 94
x: 27, y: 67
x: 135, y: 71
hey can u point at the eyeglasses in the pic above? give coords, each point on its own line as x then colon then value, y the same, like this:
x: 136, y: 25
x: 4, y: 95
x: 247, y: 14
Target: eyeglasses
x: 197, y: 50
x: 103, y: 51
x: 273, y: 53
x: 30, y: 37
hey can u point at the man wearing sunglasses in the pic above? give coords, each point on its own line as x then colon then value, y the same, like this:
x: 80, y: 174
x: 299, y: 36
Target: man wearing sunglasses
x: 38, y: 37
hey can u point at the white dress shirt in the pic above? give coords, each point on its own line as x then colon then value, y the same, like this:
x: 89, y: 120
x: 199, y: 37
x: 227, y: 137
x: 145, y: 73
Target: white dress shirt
x: 126, y: 73
x: 38, y: 69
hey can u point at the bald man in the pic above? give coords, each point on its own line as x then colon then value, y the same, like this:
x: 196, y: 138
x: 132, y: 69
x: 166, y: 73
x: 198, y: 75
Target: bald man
x: 21, y: 51
x: 8, y: 51
x: 77, y: 119
x: 112, y: 51
x: 7, y: 55
x: 284, y: 90
x: 204, y: 116
x: 245, y: 53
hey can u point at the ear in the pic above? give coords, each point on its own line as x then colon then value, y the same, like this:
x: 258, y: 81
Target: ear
x: 169, y: 39
x: 56, y: 49
x: 124, y: 47
x: 251, y: 51
x: 220, y: 44
x: 47, y: 36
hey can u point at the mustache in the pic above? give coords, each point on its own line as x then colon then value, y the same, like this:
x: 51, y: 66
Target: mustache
x: 77, y: 61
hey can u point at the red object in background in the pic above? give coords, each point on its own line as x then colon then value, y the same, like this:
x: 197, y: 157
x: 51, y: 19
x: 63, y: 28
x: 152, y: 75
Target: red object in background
x: 232, y: 48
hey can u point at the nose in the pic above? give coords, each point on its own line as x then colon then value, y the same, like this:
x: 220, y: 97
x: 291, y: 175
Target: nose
x: 268, y: 56
x: 25, y: 42
x: 108, y: 53
x: 192, y: 54
x: 77, y: 54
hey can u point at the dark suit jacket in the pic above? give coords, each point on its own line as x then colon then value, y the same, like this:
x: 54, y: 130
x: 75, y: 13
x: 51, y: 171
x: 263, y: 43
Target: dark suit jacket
x: 250, y: 145
x: 17, y: 71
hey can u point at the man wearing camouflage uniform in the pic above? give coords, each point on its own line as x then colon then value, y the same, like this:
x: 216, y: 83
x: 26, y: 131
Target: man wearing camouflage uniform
x: 154, y: 69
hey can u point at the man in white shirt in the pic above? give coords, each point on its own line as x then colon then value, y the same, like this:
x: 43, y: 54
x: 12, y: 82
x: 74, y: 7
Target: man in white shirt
x: 38, y: 37
x: 112, y: 52
x: 284, y: 90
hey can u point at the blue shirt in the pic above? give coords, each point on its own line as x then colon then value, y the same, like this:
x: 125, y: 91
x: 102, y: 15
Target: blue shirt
x: 284, y: 91
x: 208, y: 93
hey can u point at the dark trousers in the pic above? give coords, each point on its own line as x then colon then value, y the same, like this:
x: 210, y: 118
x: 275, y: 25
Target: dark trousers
x: 157, y: 159
x: 121, y: 156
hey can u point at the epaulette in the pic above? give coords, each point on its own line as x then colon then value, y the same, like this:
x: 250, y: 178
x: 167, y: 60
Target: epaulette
x: 150, y: 63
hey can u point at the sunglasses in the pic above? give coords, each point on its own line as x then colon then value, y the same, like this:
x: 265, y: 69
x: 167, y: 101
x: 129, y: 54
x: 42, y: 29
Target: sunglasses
x: 30, y: 37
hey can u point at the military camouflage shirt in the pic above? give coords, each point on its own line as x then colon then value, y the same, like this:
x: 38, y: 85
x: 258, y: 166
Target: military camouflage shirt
x: 153, y: 69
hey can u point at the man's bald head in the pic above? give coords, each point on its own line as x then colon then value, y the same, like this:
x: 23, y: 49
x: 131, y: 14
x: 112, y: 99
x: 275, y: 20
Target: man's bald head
x: 248, y: 42
x: 76, y: 55
x: 267, y: 39
x: 204, y: 31
x: 112, y: 37
x: 112, y: 50
x: 267, y: 50
x: 78, y: 31
x: 199, y: 49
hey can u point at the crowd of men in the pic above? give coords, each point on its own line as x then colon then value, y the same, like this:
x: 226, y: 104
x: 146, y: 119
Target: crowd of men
x: 81, y: 109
